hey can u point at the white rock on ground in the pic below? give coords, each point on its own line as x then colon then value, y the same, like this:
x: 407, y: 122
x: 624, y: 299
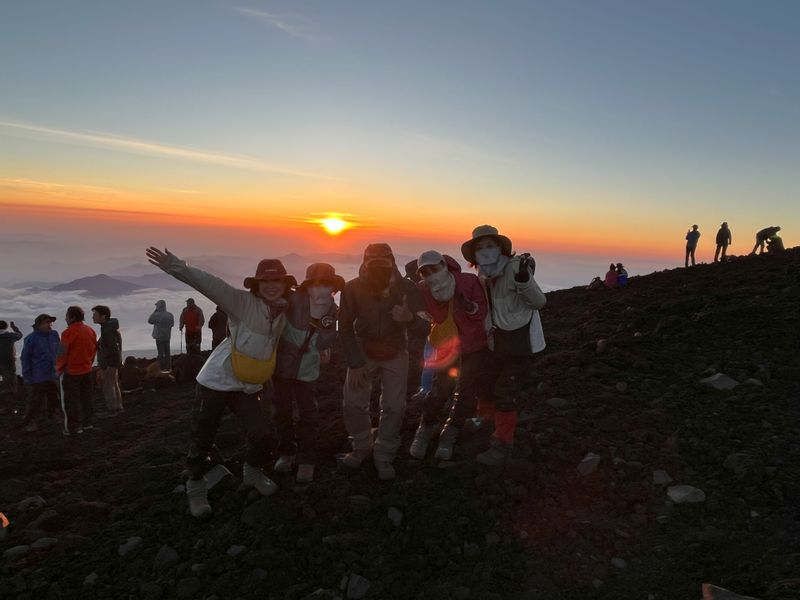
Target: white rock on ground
x: 589, y: 464
x: 685, y: 494
x: 131, y: 544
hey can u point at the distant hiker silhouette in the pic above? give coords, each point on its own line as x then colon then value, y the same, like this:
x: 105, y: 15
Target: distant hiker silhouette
x: 724, y: 239
x: 162, y: 322
x: 193, y: 319
x: 39, y: 353
x: 8, y: 363
x: 218, y: 324
x: 762, y: 236
x: 611, y: 277
x: 622, y: 276
x: 692, y: 237
x: 109, y: 358
x: 775, y: 244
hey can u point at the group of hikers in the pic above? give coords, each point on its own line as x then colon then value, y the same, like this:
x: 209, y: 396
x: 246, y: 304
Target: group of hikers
x: 765, y: 237
x: 190, y: 324
x: 483, y: 328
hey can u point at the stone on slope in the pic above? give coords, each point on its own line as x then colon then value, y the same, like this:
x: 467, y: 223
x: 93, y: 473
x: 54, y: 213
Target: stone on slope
x: 357, y: 586
x: 589, y: 464
x: 165, y: 557
x: 129, y: 546
x: 720, y: 381
x: 685, y: 494
x: 661, y: 477
x: 712, y: 592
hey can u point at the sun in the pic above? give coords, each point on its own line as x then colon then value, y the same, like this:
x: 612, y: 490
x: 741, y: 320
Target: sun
x: 334, y: 225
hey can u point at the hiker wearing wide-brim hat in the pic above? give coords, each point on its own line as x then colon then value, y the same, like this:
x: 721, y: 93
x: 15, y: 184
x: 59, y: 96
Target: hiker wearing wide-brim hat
x: 270, y: 269
x: 305, y: 345
x: 480, y: 232
x: 235, y: 373
x: 514, y: 327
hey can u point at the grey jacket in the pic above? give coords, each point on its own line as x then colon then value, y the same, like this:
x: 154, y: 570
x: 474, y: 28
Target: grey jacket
x: 162, y: 322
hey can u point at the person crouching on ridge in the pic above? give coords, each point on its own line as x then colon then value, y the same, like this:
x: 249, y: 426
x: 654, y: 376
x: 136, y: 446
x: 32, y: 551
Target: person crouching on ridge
x: 235, y: 373
x: 514, y: 299
x: 305, y: 344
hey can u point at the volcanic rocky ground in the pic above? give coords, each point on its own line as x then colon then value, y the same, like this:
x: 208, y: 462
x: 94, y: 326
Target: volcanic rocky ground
x: 620, y: 378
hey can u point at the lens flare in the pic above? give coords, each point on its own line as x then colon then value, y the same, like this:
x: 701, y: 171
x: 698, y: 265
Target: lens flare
x: 334, y: 225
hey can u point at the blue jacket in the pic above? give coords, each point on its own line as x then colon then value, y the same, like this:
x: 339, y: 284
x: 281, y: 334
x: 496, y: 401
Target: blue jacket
x: 39, y: 356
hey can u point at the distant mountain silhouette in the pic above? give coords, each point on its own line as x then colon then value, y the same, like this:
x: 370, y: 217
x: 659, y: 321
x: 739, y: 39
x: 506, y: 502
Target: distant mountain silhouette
x: 155, y: 280
x: 98, y: 286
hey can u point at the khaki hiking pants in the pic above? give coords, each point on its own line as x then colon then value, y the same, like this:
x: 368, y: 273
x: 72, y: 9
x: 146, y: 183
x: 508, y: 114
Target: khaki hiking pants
x: 111, y: 391
x: 393, y: 375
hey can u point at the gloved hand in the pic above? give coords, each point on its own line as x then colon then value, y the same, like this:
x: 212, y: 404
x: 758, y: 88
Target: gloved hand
x: 465, y: 304
x: 527, y: 266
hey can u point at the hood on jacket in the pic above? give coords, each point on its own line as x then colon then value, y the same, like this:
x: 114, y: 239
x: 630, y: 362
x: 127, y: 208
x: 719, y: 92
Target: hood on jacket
x: 112, y: 324
x: 452, y: 264
x: 161, y: 305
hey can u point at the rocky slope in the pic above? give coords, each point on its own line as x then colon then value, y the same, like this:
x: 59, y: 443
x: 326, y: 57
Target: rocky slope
x: 621, y: 379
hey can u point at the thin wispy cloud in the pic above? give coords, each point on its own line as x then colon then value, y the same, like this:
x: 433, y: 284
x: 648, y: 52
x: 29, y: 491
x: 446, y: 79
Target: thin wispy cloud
x: 294, y: 25
x: 440, y: 147
x: 150, y: 148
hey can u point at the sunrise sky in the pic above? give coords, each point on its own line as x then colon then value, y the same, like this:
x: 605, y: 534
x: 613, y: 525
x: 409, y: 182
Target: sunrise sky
x: 584, y: 129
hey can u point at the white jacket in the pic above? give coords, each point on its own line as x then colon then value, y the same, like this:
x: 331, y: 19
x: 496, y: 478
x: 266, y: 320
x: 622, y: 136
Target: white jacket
x: 250, y: 322
x: 512, y: 303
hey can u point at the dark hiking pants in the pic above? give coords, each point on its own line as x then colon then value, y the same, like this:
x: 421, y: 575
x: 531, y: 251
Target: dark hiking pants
x: 77, y: 401
x: 300, y: 436
x: 471, y: 385
x: 42, y: 395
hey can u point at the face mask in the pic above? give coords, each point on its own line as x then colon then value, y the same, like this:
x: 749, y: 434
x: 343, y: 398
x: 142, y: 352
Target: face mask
x: 441, y: 284
x: 487, y: 256
x: 379, y: 277
x: 321, y: 298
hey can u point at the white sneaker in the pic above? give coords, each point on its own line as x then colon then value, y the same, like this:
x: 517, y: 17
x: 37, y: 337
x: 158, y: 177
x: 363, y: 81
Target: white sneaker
x: 284, y: 464
x: 385, y: 470
x: 422, y: 438
x: 197, y: 493
x: 254, y: 477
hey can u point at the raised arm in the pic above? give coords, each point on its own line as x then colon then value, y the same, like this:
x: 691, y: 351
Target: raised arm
x: 230, y: 299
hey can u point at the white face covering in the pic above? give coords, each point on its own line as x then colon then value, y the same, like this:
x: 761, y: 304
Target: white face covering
x: 487, y: 256
x: 442, y: 285
x: 321, y: 297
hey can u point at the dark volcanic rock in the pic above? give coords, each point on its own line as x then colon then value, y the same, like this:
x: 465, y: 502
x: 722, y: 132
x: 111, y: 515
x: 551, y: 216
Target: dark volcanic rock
x: 538, y: 529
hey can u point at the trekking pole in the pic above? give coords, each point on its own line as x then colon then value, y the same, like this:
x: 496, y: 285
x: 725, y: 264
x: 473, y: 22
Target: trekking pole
x: 181, y: 336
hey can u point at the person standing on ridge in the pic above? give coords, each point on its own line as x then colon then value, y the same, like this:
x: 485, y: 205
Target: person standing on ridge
x: 38, y: 359
x: 162, y: 322
x: 76, y: 354
x: 305, y: 345
x: 193, y: 319
x: 761, y: 238
x: 235, y: 373
x: 8, y: 362
x: 515, y: 332
x: 377, y: 309
x: 692, y: 236
x: 724, y: 239
x: 218, y: 324
x: 109, y: 358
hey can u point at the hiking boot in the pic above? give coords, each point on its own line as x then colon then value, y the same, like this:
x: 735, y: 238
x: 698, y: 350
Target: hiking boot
x: 284, y: 464
x: 67, y: 433
x: 254, y: 477
x: 305, y: 473
x: 385, y: 470
x: 354, y: 459
x: 447, y: 440
x: 422, y: 437
x: 197, y: 493
x: 497, y: 455
x: 30, y: 428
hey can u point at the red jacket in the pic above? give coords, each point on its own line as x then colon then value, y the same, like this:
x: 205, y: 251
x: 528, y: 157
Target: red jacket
x: 77, y: 349
x: 471, y: 330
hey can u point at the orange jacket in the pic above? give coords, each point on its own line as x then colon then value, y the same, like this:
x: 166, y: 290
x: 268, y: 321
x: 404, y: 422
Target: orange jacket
x: 77, y: 349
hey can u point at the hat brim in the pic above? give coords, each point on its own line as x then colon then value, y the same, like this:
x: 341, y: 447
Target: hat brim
x: 468, y: 247
x: 337, y: 282
x: 289, y: 280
